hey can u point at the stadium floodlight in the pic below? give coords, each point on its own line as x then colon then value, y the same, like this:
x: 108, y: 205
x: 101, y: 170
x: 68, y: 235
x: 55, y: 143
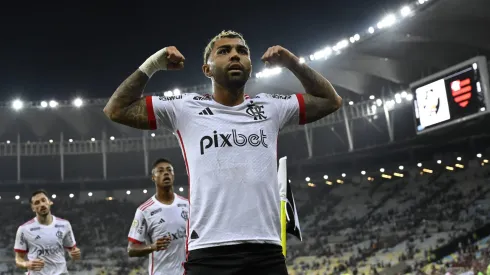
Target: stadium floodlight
x: 405, y: 11
x: 398, y: 100
x: 478, y: 155
x: 351, y: 102
x: 302, y: 60
x: 341, y: 45
x: 382, y: 170
x: 403, y: 94
x: 419, y: 164
x: 112, y: 138
x: 71, y: 196
x: 352, y: 40
x: 372, y: 97
x: 357, y: 37
x: 363, y: 172
x: 410, y: 97
x: 50, y: 141
x: 168, y: 93
x: 379, y: 102
x: 344, y: 175
x: 401, y: 167
x: 269, y: 72
x: 90, y: 194
x: 176, y: 92
x: 458, y: 158
x: 8, y: 141
x: 325, y: 177
x: 44, y: 104
x: 53, y: 104
x: 152, y: 134
x: 70, y: 140
x: 371, y: 30
x: 17, y: 104
x: 145, y: 191
x: 17, y: 197
x: 181, y: 189
x: 422, y: 1
x: 307, y: 179
x: 78, y: 102
x: 439, y: 161
x: 53, y: 196
x: 387, y: 21
x: 92, y: 139
x: 128, y: 192
x: 482, y: 109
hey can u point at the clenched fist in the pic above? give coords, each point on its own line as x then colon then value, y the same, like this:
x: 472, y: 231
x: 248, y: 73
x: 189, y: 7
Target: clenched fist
x: 168, y: 58
x: 279, y: 56
x: 162, y: 244
x: 75, y: 253
x: 35, y: 265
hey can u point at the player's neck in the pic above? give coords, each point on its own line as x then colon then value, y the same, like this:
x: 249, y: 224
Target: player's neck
x: 45, y: 220
x: 227, y: 97
x: 165, y: 195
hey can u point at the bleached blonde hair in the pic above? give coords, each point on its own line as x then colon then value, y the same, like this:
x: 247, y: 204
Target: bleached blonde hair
x: 222, y: 34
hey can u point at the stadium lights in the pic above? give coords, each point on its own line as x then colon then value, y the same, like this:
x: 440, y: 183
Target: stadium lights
x: 370, y: 179
x: 379, y: 102
x: 478, y: 155
x: 53, y: 104
x: 78, y: 102
x: 450, y: 168
x: 386, y: 176
x: 409, y: 97
x: 145, y: 191
x: 70, y: 140
x: 382, y: 170
x: 109, y: 198
x: 340, y: 181
x: 425, y: 170
x: 44, y: 104
x: 17, y: 197
x: 289, y: 181
x: 371, y: 30
x: 302, y: 60
x: 152, y: 134
x: 325, y: 177
x: 363, y: 172
x: 400, y: 175
x: 401, y: 167
x: 128, y: 192
x: 8, y: 141
x: 458, y: 158
x: 53, y: 196
x: 311, y: 184
x: 92, y: 139
x: 176, y: 92
x: 459, y: 165
x: 307, y: 179
x: 485, y: 161
x: 90, y: 194
x: 50, y: 141
x: 17, y: 104
x: 71, y: 196
x: 328, y: 182
x: 387, y: 21
x: 344, y: 175
x: 181, y: 189
x: 371, y: 97
x: 112, y: 138
x: 405, y: 11
x: 269, y: 72
x: 351, y: 102
x: 419, y: 164
x: 439, y: 161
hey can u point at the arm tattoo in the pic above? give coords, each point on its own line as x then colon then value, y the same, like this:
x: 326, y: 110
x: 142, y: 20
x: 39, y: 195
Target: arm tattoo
x: 321, y: 99
x: 127, y: 106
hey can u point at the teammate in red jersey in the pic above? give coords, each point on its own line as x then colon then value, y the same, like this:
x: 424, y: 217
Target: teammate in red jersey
x: 44, y: 240
x: 159, y: 226
x: 228, y: 141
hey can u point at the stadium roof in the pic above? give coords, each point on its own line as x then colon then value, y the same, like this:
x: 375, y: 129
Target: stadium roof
x: 409, y: 44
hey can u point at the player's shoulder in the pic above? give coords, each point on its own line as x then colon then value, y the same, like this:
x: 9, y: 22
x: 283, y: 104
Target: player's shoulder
x: 181, y: 199
x: 271, y: 97
x: 60, y: 222
x: 28, y: 224
x: 148, y: 204
x: 182, y: 97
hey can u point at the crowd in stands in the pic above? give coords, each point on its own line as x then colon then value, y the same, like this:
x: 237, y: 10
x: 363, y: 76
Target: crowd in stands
x: 389, y: 227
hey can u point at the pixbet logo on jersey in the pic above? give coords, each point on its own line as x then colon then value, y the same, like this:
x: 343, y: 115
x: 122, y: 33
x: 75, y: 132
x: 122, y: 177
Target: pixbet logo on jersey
x: 233, y: 139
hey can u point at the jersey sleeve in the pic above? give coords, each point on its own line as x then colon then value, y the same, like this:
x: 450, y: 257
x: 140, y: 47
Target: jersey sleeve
x: 20, y: 241
x: 139, y: 228
x: 163, y: 111
x: 69, y: 239
x: 290, y: 109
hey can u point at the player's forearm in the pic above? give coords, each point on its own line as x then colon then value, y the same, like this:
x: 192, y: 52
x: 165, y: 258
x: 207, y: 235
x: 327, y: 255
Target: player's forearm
x: 140, y: 250
x: 126, y: 94
x: 315, y: 84
x: 21, y: 263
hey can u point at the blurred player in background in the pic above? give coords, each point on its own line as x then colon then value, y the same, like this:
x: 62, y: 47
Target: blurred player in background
x: 44, y: 240
x: 229, y: 144
x: 159, y: 225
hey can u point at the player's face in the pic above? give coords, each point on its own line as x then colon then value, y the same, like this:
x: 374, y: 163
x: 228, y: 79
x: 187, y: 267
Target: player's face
x: 163, y: 175
x: 229, y: 63
x: 41, y: 205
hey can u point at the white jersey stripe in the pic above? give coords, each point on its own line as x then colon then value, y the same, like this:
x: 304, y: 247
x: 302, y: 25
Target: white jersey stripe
x: 189, y: 192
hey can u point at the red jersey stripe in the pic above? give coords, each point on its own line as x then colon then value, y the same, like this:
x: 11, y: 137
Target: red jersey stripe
x: 151, y: 114
x: 134, y: 241
x: 302, y: 111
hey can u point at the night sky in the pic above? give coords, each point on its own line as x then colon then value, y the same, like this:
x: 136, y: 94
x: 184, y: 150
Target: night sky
x: 51, y: 50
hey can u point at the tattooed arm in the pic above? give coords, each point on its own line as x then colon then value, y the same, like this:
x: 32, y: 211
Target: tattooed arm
x: 126, y: 105
x: 321, y: 99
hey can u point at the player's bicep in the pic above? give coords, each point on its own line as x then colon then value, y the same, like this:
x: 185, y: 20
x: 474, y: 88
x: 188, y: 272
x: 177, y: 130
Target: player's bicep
x: 135, y: 115
x: 316, y: 108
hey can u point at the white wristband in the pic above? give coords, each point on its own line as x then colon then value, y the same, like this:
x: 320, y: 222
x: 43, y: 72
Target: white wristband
x: 157, y: 62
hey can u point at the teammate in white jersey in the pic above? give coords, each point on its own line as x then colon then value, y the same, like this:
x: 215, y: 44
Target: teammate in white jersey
x: 228, y: 141
x: 159, y: 225
x: 44, y: 240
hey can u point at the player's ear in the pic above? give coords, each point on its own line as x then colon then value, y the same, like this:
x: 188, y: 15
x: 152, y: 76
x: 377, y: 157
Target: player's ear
x: 206, y: 69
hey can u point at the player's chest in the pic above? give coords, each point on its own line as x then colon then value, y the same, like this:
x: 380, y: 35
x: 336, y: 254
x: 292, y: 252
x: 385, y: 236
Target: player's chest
x: 43, y: 235
x: 167, y: 219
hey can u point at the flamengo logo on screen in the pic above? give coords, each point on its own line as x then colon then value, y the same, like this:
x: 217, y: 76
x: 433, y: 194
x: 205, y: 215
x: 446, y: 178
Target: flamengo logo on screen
x: 233, y: 139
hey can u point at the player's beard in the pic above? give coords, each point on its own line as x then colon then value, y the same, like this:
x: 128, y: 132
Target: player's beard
x: 43, y: 212
x: 234, y: 82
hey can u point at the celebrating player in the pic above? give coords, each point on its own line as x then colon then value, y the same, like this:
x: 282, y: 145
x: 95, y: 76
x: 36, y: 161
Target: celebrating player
x: 229, y: 143
x: 44, y: 240
x: 159, y: 226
